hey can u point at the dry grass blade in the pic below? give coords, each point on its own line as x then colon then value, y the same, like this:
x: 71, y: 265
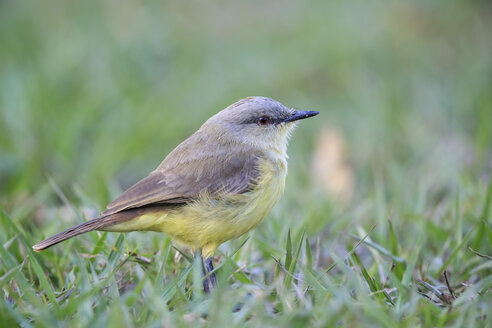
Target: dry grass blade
x: 488, y: 257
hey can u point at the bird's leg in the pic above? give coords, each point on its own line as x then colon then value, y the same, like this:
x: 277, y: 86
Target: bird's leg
x: 207, y: 283
x: 210, y: 268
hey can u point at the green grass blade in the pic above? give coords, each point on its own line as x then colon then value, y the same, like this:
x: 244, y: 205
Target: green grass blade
x: 43, y: 280
x: 399, y: 266
x: 455, y: 252
x: 309, y: 256
x: 381, y: 250
x: 488, y: 230
x: 10, y: 274
x: 115, y: 253
x: 372, y: 283
x: 171, y: 288
x: 186, y: 256
x: 159, y: 278
x: 198, y: 278
x: 100, y: 244
x: 291, y: 269
x: 486, y: 206
x: 288, y: 251
x: 361, y: 240
x: 484, y: 217
x: 407, y: 276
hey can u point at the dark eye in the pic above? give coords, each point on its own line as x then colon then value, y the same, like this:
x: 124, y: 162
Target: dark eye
x: 264, y: 120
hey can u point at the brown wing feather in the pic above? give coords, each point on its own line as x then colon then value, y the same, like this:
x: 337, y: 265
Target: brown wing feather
x: 186, y: 172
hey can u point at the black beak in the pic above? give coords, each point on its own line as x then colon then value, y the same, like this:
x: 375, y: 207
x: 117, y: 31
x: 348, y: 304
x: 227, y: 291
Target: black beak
x: 300, y: 115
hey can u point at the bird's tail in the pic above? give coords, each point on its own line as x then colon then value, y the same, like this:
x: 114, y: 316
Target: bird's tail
x: 94, y: 224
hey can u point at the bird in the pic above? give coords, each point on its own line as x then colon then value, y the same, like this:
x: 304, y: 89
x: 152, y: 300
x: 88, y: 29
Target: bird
x: 215, y: 186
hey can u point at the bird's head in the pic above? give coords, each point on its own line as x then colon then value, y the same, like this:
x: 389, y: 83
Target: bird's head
x: 259, y: 121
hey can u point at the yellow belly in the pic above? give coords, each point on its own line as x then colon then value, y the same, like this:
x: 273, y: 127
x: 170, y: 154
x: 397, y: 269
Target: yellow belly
x: 207, y: 223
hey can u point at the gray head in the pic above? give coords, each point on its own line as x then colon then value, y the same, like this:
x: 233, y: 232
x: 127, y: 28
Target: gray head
x: 259, y: 121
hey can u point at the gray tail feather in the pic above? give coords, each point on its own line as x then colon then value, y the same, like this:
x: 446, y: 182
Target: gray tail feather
x: 91, y: 225
x: 95, y: 224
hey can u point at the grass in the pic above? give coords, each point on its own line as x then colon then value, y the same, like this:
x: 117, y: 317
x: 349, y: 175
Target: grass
x: 94, y: 94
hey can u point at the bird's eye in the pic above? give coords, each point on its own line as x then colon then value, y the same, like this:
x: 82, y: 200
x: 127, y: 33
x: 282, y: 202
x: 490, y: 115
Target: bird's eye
x: 264, y: 120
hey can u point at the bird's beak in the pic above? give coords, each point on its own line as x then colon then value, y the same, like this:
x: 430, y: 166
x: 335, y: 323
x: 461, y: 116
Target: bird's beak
x: 300, y: 115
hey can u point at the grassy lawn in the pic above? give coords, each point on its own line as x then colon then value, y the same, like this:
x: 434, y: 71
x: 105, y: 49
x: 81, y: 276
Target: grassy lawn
x: 386, y: 219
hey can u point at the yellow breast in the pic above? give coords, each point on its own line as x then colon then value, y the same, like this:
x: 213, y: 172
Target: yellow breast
x: 208, y: 222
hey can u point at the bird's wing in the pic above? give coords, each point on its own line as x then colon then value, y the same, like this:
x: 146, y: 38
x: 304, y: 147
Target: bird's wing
x: 185, y: 174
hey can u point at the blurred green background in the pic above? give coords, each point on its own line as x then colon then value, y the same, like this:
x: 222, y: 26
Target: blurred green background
x: 94, y: 94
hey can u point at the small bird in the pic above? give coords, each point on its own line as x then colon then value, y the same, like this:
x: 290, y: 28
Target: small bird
x: 215, y: 186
